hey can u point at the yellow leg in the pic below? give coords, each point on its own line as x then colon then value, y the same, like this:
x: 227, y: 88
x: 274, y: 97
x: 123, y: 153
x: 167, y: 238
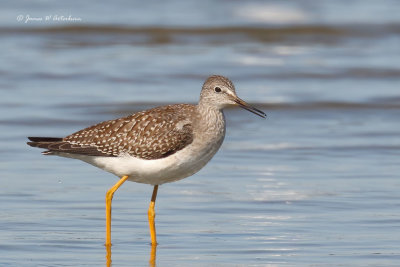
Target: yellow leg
x: 152, y: 215
x: 153, y: 252
x: 108, y: 255
x: 109, y: 196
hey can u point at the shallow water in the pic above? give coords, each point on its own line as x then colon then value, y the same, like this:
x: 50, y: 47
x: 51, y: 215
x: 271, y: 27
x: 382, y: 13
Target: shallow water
x: 316, y: 184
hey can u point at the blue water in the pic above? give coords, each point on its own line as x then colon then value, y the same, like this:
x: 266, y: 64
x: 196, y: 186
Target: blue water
x: 316, y: 184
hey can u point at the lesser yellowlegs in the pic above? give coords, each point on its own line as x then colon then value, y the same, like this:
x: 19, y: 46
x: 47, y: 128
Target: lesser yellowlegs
x: 156, y: 146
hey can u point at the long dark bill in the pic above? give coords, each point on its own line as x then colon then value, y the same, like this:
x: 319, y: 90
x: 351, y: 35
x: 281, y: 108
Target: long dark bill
x: 246, y: 106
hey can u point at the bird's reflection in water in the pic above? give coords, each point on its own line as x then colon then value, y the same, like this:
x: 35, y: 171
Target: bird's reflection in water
x: 152, y: 261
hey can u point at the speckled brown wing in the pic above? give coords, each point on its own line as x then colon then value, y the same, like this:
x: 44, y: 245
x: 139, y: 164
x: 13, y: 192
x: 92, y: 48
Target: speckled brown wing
x: 151, y: 134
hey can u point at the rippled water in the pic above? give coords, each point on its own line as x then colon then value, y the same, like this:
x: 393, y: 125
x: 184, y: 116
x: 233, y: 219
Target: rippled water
x: 316, y: 184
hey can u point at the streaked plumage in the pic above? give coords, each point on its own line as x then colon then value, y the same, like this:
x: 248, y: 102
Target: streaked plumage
x: 151, y: 134
x: 155, y: 146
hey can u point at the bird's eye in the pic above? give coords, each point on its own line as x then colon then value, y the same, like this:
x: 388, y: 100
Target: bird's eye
x: 217, y: 89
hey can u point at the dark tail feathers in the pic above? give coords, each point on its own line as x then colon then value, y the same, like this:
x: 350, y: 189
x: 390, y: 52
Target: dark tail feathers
x: 45, y: 139
x: 43, y: 142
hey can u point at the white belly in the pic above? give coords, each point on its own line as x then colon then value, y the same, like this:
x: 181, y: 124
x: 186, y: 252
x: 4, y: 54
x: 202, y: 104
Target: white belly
x: 159, y: 171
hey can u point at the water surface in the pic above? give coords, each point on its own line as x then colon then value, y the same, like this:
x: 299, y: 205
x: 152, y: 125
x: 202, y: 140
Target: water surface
x: 316, y: 184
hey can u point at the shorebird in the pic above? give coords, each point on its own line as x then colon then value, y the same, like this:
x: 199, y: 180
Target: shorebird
x: 155, y: 146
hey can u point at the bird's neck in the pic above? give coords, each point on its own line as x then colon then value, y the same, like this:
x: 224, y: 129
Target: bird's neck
x: 210, y: 118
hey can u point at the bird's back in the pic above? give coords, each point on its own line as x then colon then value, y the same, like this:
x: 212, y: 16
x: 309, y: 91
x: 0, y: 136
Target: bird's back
x: 150, y: 134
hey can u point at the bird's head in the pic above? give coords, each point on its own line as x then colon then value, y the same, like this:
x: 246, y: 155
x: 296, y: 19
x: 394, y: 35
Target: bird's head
x: 219, y: 91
